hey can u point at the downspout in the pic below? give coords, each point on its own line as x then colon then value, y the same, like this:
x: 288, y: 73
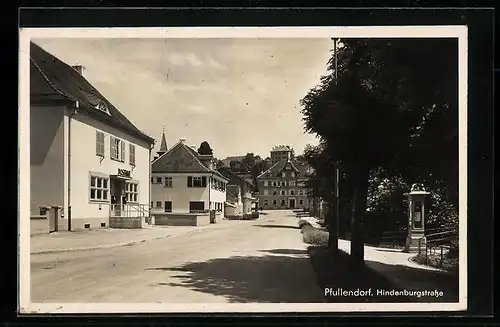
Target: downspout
x: 151, y: 146
x: 73, y: 112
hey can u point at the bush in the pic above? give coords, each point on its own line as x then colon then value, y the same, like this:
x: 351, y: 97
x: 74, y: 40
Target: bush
x: 303, y: 222
x: 312, y: 235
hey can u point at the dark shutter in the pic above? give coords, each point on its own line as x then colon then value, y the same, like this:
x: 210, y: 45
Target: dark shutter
x: 190, y: 181
x: 204, y: 181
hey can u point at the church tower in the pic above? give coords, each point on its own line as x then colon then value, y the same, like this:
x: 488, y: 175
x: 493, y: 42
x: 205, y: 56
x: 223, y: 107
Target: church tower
x: 163, y: 145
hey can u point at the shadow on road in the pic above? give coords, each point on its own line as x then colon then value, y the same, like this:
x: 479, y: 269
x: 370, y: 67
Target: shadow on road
x: 339, y: 273
x: 285, y: 251
x: 244, y: 279
x: 278, y: 226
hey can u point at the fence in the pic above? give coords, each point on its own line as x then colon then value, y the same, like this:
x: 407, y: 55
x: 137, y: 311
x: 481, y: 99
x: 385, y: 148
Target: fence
x: 128, y: 210
x: 437, y: 246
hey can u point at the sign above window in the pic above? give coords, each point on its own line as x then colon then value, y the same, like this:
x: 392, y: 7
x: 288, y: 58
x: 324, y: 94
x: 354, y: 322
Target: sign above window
x: 123, y: 173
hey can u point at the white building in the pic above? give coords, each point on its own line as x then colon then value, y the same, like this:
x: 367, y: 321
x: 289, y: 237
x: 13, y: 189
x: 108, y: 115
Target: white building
x: 185, y: 182
x: 84, y: 152
x: 239, y: 198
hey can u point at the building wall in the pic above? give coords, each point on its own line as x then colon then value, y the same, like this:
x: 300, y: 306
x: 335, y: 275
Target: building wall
x: 218, y: 196
x: 46, y: 156
x: 84, y: 161
x: 269, y: 189
x: 180, y: 194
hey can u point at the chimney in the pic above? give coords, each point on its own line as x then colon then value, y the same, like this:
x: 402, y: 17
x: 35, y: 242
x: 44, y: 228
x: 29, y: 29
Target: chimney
x: 79, y: 69
x: 182, y: 140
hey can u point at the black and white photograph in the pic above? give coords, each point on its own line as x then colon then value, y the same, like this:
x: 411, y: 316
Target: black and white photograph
x: 243, y: 169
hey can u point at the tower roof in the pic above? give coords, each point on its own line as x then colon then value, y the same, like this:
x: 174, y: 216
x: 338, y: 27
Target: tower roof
x: 163, y: 144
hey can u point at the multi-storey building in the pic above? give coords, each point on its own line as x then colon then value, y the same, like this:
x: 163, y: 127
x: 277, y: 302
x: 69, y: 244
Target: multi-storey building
x: 184, y: 181
x: 85, y: 154
x: 283, y: 186
x: 281, y: 152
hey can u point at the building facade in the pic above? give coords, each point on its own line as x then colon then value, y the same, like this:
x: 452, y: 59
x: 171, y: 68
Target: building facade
x: 281, y: 152
x: 183, y: 181
x: 85, y: 154
x: 283, y: 186
x: 240, y: 195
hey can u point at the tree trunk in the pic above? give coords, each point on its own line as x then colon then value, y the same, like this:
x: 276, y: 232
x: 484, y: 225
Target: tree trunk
x: 360, y: 183
x: 333, y: 237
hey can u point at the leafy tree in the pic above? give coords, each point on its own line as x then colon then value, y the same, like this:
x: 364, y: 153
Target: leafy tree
x: 392, y: 105
x: 205, y: 148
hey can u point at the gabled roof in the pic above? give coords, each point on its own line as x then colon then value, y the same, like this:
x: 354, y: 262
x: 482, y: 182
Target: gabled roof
x: 233, y: 177
x: 181, y: 158
x: 51, y: 76
x: 278, y: 167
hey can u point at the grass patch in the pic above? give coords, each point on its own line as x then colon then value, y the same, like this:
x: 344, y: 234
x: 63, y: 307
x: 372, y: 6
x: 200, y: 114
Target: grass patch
x: 339, y: 273
x: 434, y: 260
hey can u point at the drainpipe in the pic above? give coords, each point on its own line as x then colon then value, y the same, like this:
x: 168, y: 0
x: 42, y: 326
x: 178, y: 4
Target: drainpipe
x: 73, y: 112
x: 151, y: 146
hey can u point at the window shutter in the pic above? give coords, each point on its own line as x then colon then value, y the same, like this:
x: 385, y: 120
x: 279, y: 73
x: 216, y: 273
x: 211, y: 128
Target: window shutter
x: 97, y: 143
x: 190, y: 181
x: 112, y: 147
x: 204, y: 181
x: 122, y: 151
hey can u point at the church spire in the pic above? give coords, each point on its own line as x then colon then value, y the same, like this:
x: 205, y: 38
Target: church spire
x: 163, y: 145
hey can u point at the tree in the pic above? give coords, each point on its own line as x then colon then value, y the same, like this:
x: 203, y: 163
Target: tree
x: 383, y: 110
x: 205, y: 148
x: 248, y: 161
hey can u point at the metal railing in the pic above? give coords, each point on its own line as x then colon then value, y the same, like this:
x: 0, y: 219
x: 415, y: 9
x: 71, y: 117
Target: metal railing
x: 437, y: 245
x: 128, y: 210
x: 398, y: 238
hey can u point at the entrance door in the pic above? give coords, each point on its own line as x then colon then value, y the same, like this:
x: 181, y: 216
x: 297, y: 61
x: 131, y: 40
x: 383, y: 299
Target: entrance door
x: 117, y: 187
x: 292, y: 203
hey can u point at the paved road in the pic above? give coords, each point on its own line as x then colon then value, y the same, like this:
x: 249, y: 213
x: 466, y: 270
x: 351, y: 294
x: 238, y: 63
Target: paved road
x: 258, y: 261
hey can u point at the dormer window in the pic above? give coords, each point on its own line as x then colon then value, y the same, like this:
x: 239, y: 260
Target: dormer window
x: 102, y: 106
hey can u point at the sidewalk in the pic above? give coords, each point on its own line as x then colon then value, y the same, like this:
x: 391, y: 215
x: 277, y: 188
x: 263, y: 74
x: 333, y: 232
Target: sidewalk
x: 109, y: 237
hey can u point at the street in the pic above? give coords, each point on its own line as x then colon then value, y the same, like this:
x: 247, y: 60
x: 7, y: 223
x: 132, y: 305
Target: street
x: 256, y: 261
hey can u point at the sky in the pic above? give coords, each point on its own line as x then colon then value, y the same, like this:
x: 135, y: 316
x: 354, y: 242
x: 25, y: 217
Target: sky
x: 241, y: 95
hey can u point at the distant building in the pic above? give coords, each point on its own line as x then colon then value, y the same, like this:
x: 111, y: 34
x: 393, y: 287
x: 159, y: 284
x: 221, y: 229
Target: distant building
x: 227, y: 161
x: 281, y: 152
x: 184, y: 181
x: 240, y: 194
x: 85, y: 154
x: 283, y: 186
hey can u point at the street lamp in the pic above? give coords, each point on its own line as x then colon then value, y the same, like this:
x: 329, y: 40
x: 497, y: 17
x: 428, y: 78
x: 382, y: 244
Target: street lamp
x: 416, y: 218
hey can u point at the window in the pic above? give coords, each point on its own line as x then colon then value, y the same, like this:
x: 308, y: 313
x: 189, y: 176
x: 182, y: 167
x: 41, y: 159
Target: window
x: 283, y: 192
x: 99, y: 143
x: 274, y: 183
x: 274, y: 202
x: 196, y: 206
x: 292, y: 192
x: 283, y: 203
x: 168, y: 182
x: 291, y: 183
x: 265, y: 183
x: 265, y: 192
x: 301, y: 202
x: 196, y: 181
x: 301, y: 192
x: 168, y: 206
x: 152, y: 180
x: 274, y: 193
x: 99, y: 188
x: 152, y: 204
x: 132, y: 192
x: 283, y: 183
x: 266, y: 202
x: 132, y: 154
x: 158, y: 180
x: 293, y: 174
x: 117, y: 149
x: 158, y: 204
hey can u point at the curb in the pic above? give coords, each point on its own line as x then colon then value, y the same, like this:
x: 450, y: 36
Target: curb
x: 430, y: 268
x: 121, y: 244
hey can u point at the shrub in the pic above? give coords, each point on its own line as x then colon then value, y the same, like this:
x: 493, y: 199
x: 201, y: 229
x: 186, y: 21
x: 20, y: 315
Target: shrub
x: 312, y: 235
x: 303, y: 222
